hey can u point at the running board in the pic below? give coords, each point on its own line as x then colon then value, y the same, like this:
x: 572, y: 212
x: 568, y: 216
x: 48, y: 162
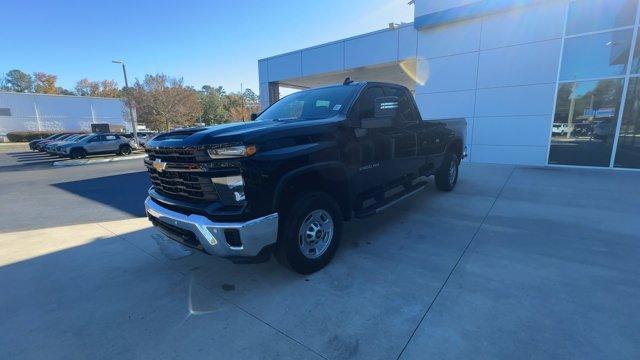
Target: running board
x: 381, y: 207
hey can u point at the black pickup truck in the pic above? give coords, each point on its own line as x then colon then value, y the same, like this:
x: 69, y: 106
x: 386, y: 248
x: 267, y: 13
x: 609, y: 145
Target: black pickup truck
x: 285, y: 182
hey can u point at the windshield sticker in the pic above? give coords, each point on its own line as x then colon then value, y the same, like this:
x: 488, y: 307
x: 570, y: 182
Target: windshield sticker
x: 337, y: 107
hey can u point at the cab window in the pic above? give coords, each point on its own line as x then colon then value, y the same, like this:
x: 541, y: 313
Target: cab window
x: 406, y: 113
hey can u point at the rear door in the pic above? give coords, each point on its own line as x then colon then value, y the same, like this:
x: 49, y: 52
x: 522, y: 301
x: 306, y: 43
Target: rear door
x: 111, y: 143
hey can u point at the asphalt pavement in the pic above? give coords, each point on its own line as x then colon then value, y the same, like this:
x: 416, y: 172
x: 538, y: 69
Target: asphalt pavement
x: 35, y: 194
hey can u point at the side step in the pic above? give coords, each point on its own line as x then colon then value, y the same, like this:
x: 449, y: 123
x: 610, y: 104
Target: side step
x: 380, y: 207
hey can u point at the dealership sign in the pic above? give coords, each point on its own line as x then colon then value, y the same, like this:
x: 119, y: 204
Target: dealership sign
x: 600, y: 113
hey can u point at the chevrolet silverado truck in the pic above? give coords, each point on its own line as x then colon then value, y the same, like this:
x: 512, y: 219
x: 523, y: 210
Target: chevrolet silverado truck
x: 285, y: 182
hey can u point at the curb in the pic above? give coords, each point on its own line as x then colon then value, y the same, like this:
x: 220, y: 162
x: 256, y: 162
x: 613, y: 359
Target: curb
x: 80, y: 162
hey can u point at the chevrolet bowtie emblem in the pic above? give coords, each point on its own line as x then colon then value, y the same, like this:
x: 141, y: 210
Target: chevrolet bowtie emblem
x: 159, y: 165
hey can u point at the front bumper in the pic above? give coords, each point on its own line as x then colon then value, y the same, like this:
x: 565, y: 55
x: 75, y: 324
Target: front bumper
x: 199, y: 232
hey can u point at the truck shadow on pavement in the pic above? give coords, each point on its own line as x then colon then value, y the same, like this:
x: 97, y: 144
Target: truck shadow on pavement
x: 125, y: 192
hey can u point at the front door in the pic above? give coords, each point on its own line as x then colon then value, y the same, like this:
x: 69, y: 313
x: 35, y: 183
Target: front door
x: 404, y: 135
x: 94, y: 145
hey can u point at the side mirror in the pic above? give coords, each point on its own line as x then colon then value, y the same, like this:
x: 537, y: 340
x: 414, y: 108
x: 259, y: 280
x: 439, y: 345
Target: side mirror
x: 254, y: 116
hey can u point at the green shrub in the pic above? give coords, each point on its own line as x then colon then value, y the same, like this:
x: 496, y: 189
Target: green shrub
x: 26, y: 136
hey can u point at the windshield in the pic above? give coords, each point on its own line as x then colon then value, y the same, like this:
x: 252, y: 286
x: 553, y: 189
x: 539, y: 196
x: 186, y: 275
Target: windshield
x: 311, y: 104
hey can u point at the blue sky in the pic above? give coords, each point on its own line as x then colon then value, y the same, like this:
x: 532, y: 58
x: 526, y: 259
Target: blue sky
x: 206, y: 42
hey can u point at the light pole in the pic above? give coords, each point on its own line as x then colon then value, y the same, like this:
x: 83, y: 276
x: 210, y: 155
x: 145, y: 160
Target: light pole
x: 126, y: 86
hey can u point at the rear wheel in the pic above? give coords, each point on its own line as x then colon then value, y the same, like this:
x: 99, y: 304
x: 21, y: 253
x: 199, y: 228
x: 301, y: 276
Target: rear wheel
x: 125, y: 150
x: 78, y: 154
x: 447, y: 175
x: 309, y: 233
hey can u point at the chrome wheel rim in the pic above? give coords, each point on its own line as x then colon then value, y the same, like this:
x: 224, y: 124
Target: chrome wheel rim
x: 315, y: 234
x: 453, y: 170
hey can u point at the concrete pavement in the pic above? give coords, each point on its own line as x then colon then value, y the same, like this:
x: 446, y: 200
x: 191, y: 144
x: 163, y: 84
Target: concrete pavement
x: 516, y: 262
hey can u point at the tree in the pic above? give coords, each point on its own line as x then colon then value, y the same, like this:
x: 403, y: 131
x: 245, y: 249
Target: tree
x: 86, y: 87
x: 163, y: 102
x: 45, y: 83
x: 109, y: 88
x: 212, y: 103
x: 104, y: 88
x: 241, y: 105
x: 18, y: 81
x: 252, y: 101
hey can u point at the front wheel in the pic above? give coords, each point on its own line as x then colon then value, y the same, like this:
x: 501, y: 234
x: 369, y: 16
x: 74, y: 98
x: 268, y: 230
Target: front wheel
x: 447, y: 175
x: 78, y: 154
x: 125, y: 150
x: 309, y: 233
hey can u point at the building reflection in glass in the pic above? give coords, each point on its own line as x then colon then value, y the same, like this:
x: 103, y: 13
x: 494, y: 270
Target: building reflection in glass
x: 585, y: 122
x: 628, y: 150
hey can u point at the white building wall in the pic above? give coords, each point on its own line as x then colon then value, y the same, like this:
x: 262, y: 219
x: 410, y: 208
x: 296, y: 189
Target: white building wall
x: 498, y: 71
x: 371, y: 49
x: 425, y: 7
x: 59, y: 113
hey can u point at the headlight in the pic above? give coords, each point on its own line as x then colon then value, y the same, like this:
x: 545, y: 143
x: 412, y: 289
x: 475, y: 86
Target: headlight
x: 232, y: 152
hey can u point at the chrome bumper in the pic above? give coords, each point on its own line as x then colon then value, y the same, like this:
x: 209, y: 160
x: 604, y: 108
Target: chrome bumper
x: 254, y: 234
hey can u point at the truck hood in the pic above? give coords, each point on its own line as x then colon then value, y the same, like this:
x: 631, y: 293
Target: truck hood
x: 248, y: 132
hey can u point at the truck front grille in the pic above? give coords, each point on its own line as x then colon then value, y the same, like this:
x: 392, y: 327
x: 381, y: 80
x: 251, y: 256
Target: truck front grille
x: 183, y: 185
x: 178, y: 155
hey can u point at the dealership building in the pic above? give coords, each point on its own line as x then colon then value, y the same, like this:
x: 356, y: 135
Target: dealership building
x: 540, y: 82
x: 42, y: 112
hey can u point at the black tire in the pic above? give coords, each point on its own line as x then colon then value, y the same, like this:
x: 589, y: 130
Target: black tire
x: 445, y: 179
x: 289, y: 251
x: 78, y: 154
x: 125, y: 150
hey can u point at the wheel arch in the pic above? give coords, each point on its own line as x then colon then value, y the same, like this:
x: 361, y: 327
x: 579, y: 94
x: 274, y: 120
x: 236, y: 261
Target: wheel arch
x: 329, y: 177
x: 456, y: 147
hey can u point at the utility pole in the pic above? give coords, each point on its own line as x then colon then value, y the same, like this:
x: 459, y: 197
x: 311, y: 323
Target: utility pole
x: 134, y: 124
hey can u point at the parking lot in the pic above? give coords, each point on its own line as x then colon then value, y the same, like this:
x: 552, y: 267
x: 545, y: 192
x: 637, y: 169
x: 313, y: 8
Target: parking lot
x: 515, y: 262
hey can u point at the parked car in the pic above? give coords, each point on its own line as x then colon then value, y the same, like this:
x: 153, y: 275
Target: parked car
x: 33, y: 143
x: 285, y: 182
x: 56, y: 148
x: 41, y: 144
x: 145, y: 136
x: 50, y: 146
x: 98, y: 144
x: 560, y: 129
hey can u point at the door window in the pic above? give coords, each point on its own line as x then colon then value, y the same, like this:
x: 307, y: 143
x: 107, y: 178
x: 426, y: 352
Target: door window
x: 367, y: 102
x: 406, y: 113
x: 110, y: 137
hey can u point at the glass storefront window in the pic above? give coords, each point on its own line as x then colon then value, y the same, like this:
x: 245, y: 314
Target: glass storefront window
x: 595, y: 56
x: 635, y: 63
x: 628, y: 150
x: 585, y: 122
x: 594, y: 15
